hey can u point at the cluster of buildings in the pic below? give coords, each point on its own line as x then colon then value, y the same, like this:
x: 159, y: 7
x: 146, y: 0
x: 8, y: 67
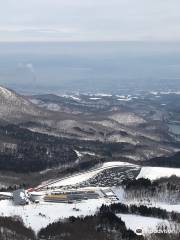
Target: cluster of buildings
x: 24, y: 197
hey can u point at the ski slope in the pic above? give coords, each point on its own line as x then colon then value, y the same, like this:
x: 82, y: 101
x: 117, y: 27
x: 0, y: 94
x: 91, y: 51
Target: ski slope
x: 154, y: 173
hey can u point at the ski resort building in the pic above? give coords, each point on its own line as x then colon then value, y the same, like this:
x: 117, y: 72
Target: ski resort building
x: 35, y: 196
x: 20, y: 197
x: 70, y: 196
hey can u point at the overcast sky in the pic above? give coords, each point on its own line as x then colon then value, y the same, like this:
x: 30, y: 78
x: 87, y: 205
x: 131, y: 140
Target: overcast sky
x: 89, y: 20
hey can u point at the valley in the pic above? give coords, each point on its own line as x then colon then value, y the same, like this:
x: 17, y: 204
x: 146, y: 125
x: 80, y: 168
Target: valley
x: 82, y: 155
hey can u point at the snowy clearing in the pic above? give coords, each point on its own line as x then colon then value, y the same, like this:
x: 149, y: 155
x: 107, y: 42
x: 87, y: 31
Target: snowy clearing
x: 6, y: 194
x: 103, y: 94
x: 95, y: 98
x: 82, y: 153
x: 154, y: 173
x: 147, y: 224
x: 158, y: 204
x: 166, y: 206
x: 124, y: 99
x: 40, y: 215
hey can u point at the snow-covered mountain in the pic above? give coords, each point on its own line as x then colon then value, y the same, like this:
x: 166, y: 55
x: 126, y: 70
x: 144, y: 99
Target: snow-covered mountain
x: 107, y: 121
x: 15, y: 108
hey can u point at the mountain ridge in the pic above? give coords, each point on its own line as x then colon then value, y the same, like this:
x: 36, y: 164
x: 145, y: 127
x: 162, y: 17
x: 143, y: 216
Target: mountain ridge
x: 14, y: 108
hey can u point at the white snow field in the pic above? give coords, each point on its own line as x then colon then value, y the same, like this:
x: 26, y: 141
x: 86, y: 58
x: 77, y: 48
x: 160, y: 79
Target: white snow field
x: 147, y: 224
x: 167, y: 207
x: 120, y: 193
x: 40, y: 215
x: 154, y: 173
x: 78, y: 178
x: 95, y: 98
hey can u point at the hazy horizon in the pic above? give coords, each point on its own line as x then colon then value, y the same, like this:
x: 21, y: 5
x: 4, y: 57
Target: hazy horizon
x: 90, y: 66
x: 67, y: 45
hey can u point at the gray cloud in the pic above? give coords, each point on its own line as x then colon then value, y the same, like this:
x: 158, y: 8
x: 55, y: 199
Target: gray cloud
x: 97, y: 20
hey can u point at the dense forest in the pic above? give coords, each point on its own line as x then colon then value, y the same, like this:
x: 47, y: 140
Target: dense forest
x: 103, y: 226
x: 14, y: 229
x: 164, y: 189
x: 28, y: 152
x: 170, y: 161
x: 23, y: 151
x: 141, y: 210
